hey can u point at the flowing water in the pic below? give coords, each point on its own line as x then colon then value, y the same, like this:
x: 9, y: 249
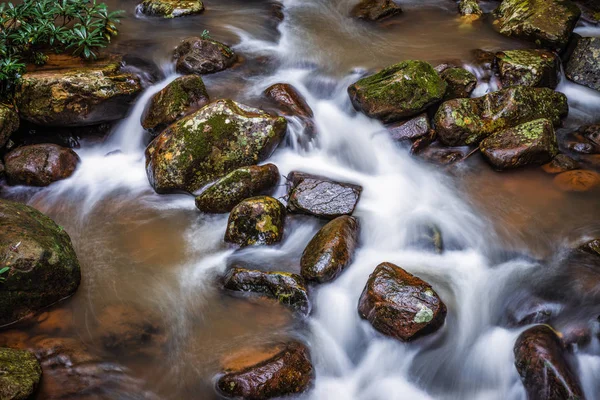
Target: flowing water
x: 503, y: 231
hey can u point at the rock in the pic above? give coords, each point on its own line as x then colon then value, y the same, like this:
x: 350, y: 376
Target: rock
x: 531, y: 143
x: 439, y: 155
x: 43, y: 265
x: 541, y: 363
x: 79, y: 96
x: 236, y: 186
x: 288, y: 289
x: 428, y: 236
x: 460, y: 83
x: 535, y: 68
x: 547, y: 23
x: 400, y: 305
x: 287, y: 371
x: 9, y: 123
x: 469, y: 7
x: 171, y: 8
x: 209, y: 144
x: 256, y: 221
x: 583, y: 66
x: 579, y: 180
x: 40, y: 164
x: 1, y: 169
x: 468, y: 121
x: 331, y: 250
x: 375, y: 10
x: 560, y: 163
x: 20, y: 374
x: 289, y: 100
x: 411, y: 129
x: 321, y: 197
x: 591, y: 247
x: 181, y: 97
x: 586, y: 140
x: 399, y: 91
x: 55, y: 321
x: 203, y: 56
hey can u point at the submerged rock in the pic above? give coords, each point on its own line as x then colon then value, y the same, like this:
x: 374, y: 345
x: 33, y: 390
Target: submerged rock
x: 236, y: 186
x: 428, y: 236
x: 547, y: 23
x: 289, y: 100
x: 40, y: 164
x: 43, y: 267
x: 375, y: 10
x: 536, y: 68
x: 200, y: 56
x: 468, y: 121
x: 256, y: 221
x: 20, y: 374
x: 399, y: 91
x: 411, y: 129
x: 288, y: 289
x: 315, y: 195
x: 579, y: 180
x: 541, y: 363
x: 531, y: 143
x: 469, y: 7
x: 460, y: 82
x: 171, y: 8
x: 179, y: 98
x: 331, y: 250
x: 560, y: 163
x: 209, y: 144
x: 583, y: 66
x: 287, y: 370
x: 9, y: 123
x: 400, y: 305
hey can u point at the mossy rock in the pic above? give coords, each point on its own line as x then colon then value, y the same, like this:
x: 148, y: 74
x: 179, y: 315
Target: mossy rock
x: 9, y: 123
x: 236, y: 186
x: 171, y: 8
x: 196, y: 55
x: 468, y: 121
x: 461, y: 83
x: 20, y: 374
x: 399, y: 91
x: 469, y: 7
x: 375, y: 10
x: 583, y: 66
x: 209, y: 144
x: 43, y: 266
x: 256, y: 221
x: 547, y: 23
x: 179, y: 98
x: 535, y: 68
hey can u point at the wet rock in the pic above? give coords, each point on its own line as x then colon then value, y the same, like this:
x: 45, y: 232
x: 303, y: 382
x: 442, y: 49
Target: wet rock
x: 209, y: 144
x: 591, y: 247
x: 441, y: 155
x: 560, y: 163
x: 531, y: 143
x: 288, y: 371
x: 40, y: 164
x: 181, y: 97
x: 469, y: 7
x: 547, y: 23
x: 468, y: 121
x: 43, y: 267
x: 203, y: 56
x: 256, y: 221
x: 428, y: 237
x: 55, y: 321
x: 76, y: 96
x: 9, y: 123
x: 375, y: 10
x: 460, y: 83
x: 579, y: 180
x: 319, y: 196
x: 400, y: 305
x: 236, y: 186
x: 535, y: 68
x: 399, y: 91
x: 288, y: 289
x: 20, y: 374
x: 171, y: 8
x: 583, y: 66
x: 411, y: 129
x: 586, y: 140
x: 331, y: 250
x: 289, y: 100
x: 541, y: 363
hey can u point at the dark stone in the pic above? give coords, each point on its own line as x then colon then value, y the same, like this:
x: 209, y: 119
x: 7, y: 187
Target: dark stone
x: 40, y: 164
x: 583, y: 66
x: 375, y: 10
x: 256, y: 221
x: 591, y: 247
x: 535, y: 68
x: 20, y: 374
x: 586, y: 140
x: 289, y: 100
x: 203, y: 56
x: 411, y: 129
x: 460, y: 83
x: 441, y: 155
x: 560, y: 163
x: 9, y: 123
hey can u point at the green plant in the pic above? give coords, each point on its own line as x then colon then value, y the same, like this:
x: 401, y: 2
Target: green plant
x: 205, y: 35
x: 30, y: 30
x: 2, y: 272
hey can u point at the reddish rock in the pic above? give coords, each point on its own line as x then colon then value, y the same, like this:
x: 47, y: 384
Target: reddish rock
x: 40, y: 164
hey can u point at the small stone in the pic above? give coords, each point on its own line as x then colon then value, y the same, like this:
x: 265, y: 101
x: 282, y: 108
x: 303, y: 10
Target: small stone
x: 256, y: 221
x: 289, y: 100
x: 560, y: 163
x: 461, y: 83
x: 171, y: 8
x: 591, y: 247
x: 411, y: 129
x: 20, y: 374
x: 469, y: 7
x: 579, y: 180
x: 375, y: 10
x: 40, y: 164
x: 200, y: 56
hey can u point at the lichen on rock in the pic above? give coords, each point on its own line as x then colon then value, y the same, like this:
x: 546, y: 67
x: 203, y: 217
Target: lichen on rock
x: 171, y: 8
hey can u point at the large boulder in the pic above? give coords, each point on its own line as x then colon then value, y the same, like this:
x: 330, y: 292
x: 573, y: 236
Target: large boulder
x: 183, y: 96
x: 20, y: 374
x: 283, y: 370
x: 210, y: 143
x: 171, y: 8
x: 531, y: 143
x: 9, y: 123
x: 40, y: 164
x: 468, y: 121
x: 400, y: 305
x: 236, y: 186
x: 541, y: 362
x: 256, y: 221
x: 196, y: 55
x: 76, y: 96
x: 461, y: 82
x: 530, y: 67
x: 43, y: 267
x: 547, y: 23
x: 375, y: 10
x: 287, y: 289
x: 583, y: 66
x: 399, y: 91
x: 331, y: 250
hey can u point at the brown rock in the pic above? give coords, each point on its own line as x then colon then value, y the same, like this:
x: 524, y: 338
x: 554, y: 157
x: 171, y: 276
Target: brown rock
x: 375, y: 10
x: 560, y: 163
x: 40, y: 164
x: 200, y: 56
x: 289, y: 100
x: 579, y: 180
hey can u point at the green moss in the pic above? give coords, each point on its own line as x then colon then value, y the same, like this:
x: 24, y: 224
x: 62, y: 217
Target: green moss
x: 171, y: 8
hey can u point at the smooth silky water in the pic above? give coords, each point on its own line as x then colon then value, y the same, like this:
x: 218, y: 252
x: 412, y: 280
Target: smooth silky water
x: 504, y: 231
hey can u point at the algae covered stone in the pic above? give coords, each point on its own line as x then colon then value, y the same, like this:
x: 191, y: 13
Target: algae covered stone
x: 236, y: 186
x: 171, y: 8
x: 375, y: 10
x: 536, y: 68
x: 20, y: 374
x: 460, y: 82
x: 583, y: 66
x: 9, y: 123
x: 209, y: 144
x: 196, y: 55
x: 469, y: 7
x: 399, y: 91
x: 256, y: 221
